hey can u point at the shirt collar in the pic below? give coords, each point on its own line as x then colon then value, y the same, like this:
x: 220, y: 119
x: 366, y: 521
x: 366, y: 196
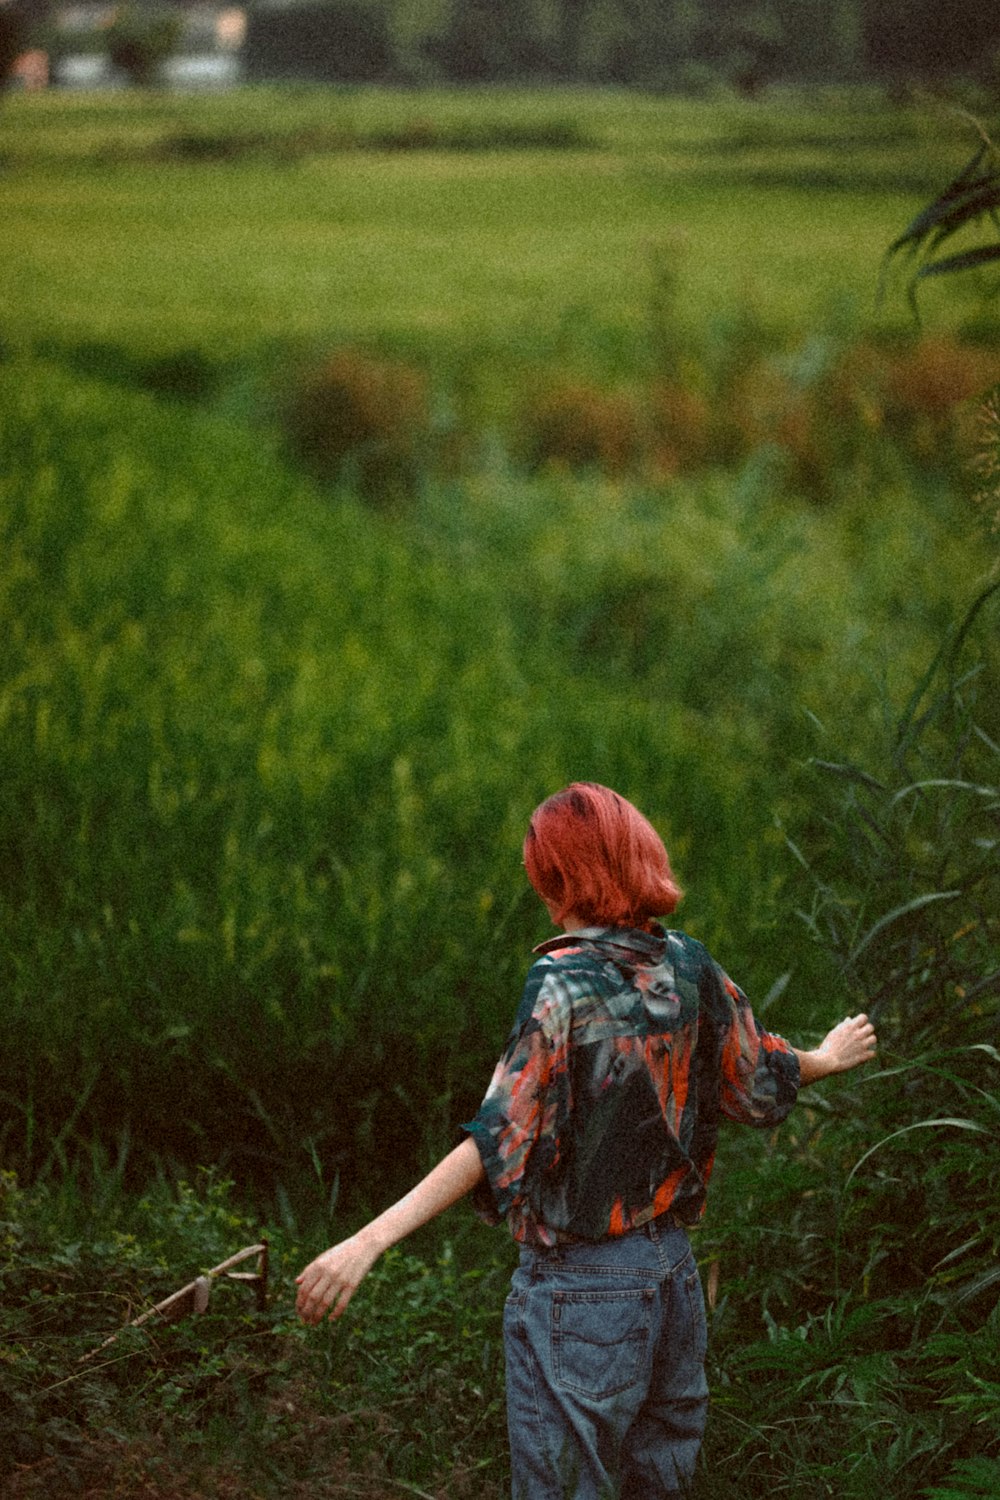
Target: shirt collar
x: 633, y: 940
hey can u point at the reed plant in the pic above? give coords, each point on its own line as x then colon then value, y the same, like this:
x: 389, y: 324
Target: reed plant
x: 860, y: 1275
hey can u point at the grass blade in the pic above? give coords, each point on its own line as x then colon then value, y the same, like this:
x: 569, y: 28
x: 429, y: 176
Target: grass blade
x: 947, y: 1120
x: 962, y: 260
x: 916, y: 904
x: 941, y: 783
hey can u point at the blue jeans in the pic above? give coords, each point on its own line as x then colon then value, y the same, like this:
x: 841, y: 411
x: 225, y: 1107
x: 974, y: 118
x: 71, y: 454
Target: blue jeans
x: 605, y: 1350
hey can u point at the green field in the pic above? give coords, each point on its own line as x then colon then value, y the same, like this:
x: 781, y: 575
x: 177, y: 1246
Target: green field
x: 301, y: 230
x: 681, y: 510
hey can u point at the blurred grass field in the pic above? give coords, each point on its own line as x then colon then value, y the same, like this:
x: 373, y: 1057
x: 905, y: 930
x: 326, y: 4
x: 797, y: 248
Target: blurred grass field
x: 235, y: 222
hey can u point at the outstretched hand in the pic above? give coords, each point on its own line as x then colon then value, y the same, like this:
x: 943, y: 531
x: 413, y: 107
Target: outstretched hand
x: 329, y: 1282
x: 850, y: 1043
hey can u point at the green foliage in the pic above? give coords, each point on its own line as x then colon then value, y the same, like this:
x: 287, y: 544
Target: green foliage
x: 680, y: 356
x: 71, y: 1273
x: 971, y: 198
x: 969, y: 1480
x: 856, y: 1327
x: 269, y: 755
x: 274, y: 751
x: 363, y: 421
x: 921, y: 839
x: 429, y: 1334
x: 987, y: 461
x: 523, y: 239
x: 860, y: 1279
x: 407, y: 1389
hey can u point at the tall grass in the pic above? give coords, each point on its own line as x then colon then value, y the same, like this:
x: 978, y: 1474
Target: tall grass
x: 861, y: 1276
x: 237, y: 1400
x: 269, y: 760
x: 850, y: 1261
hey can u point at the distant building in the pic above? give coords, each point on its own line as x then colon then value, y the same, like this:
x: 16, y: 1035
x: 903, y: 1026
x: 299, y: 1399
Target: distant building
x: 30, y: 71
x: 208, y: 54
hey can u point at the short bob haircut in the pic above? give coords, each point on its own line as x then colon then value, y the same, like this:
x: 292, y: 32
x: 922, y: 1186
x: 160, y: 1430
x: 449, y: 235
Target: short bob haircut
x: 589, y: 852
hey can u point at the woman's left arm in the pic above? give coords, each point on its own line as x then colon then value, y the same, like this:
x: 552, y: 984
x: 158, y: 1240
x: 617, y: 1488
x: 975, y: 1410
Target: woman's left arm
x: 850, y: 1043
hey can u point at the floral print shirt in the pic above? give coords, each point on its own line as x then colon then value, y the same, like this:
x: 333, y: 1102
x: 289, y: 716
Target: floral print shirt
x: 603, y: 1112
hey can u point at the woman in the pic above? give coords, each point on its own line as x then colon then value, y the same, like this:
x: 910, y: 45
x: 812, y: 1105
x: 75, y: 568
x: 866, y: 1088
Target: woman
x: 595, y: 1143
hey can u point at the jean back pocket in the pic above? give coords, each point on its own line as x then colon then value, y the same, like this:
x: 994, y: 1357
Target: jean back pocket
x: 601, y: 1341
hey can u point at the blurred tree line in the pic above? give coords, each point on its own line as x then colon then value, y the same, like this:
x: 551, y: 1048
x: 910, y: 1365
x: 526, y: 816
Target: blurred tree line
x: 668, y: 44
x: 690, y: 45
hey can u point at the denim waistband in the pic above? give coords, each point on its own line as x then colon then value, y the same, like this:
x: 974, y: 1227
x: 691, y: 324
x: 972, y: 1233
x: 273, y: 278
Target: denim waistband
x: 653, y: 1229
x: 652, y: 1249
x: 663, y: 1224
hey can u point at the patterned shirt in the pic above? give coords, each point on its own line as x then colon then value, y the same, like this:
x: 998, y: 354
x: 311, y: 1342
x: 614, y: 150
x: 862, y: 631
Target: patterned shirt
x: 604, y: 1109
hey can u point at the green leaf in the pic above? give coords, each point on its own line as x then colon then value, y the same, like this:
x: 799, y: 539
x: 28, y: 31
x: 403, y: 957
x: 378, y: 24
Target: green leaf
x: 970, y: 1479
x: 944, y: 781
x: 964, y: 260
x: 949, y: 213
x: 926, y: 1065
x: 978, y: 1284
x: 916, y: 904
x: 849, y: 773
x: 946, y: 1120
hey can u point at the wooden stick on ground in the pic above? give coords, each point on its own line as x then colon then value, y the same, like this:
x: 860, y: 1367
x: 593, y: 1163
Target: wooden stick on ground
x: 193, y: 1298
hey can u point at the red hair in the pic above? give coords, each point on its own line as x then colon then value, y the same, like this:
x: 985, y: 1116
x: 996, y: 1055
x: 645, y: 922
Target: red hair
x: 590, y: 852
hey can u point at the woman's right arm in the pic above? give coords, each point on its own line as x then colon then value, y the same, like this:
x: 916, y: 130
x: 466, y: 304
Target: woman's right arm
x: 330, y: 1281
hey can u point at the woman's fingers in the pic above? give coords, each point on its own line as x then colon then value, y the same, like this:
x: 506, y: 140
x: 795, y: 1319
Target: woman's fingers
x: 851, y: 1043
x: 329, y: 1282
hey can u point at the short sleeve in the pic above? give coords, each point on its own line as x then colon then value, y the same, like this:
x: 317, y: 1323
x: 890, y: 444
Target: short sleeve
x: 759, y: 1071
x: 513, y: 1115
